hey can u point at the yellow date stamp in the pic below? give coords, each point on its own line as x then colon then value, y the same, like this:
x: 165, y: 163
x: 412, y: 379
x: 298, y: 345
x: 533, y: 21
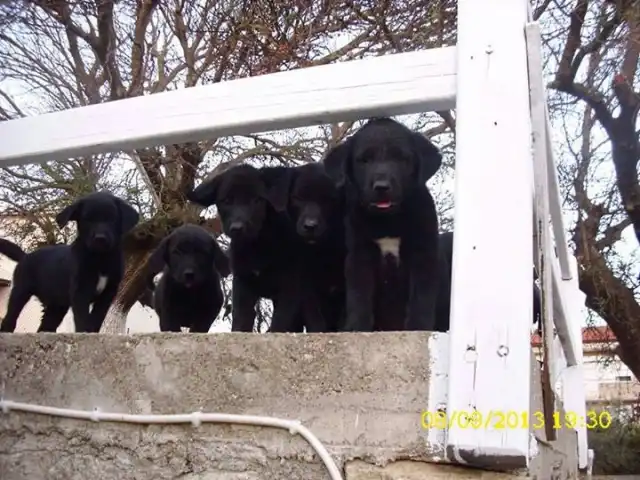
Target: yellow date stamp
x: 501, y: 420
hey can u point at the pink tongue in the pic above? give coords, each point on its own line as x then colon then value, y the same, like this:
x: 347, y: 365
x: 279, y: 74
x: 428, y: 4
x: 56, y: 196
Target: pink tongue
x: 383, y: 204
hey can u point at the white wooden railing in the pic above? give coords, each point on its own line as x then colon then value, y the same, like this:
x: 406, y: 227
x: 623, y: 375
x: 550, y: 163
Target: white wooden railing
x: 561, y: 295
x: 505, y: 176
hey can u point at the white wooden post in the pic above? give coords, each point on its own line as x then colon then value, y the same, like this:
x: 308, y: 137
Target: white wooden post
x: 544, y: 249
x: 573, y: 390
x: 567, y: 357
x: 492, y: 256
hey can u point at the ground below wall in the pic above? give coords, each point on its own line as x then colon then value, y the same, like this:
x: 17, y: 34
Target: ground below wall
x: 361, y: 394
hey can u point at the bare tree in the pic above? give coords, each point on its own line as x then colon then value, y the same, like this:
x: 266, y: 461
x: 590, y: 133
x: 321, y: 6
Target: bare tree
x: 62, y: 54
x: 593, y: 48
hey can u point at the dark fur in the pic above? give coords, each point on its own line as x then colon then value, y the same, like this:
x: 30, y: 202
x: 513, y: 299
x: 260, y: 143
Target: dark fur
x: 251, y: 205
x: 384, y: 162
x: 315, y: 208
x: 189, y: 292
x: 63, y: 276
x: 443, y: 305
x: 444, y: 296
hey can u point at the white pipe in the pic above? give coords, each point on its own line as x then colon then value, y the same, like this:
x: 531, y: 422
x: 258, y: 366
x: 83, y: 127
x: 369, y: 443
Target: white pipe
x: 195, y: 418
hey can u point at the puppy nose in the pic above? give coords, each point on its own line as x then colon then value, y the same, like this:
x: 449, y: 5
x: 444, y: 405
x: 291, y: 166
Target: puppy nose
x: 310, y: 224
x: 236, y: 227
x: 188, y: 274
x: 381, y: 186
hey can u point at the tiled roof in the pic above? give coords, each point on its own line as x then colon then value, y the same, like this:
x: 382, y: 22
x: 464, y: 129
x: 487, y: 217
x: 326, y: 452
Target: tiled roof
x: 589, y: 335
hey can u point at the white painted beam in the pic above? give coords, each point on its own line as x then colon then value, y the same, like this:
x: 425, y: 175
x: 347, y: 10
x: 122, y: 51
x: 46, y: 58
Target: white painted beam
x: 562, y: 315
x: 491, y: 298
x: 437, y: 400
x: 573, y: 387
x: 544, y: 252
x: 555, y: 206
x: 389, y: 85
x: 555, y: 203
x: 547, y: 198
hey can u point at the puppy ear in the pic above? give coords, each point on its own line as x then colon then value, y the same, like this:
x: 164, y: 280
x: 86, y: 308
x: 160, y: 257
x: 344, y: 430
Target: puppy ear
x: 337, y: 162
x: 206, y: 193
x: 220, y: 260
x: 278, y: 181
x: 429, y: 157
x: 70, y: 213
x: 157, y: 260
x: 129, y: 217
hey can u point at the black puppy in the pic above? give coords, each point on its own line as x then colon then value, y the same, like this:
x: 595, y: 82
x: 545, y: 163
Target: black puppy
x: 443, y: 303
x: 189, y: 292
x: 251, y: 205
x: 315, y: 207
x: 444, y: 296
x: 391, y: 267
x: 86, y: 272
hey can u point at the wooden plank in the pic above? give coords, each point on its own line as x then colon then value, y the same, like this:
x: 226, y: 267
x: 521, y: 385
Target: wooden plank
x: 389, y: 85
x: 544, y: 251
x: 561, y: 295
x: 562, y: 318
x: 549, y: 204
x: 555, y: 207
x: 573, y: 388
x: 492, y: 260
x: 555, y: 203
x: 437, y: 401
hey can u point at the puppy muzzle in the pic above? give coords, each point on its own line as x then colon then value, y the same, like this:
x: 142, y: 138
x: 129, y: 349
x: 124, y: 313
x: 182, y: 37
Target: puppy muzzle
x: 188, y: 278
x: 100, y: 242
x: 382, y: 196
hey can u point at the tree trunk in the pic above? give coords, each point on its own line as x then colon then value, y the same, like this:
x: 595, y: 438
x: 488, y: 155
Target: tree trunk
x: 625, y: 152
x: 131, y: 288
x: 610, y: 298
x: 134, y: 281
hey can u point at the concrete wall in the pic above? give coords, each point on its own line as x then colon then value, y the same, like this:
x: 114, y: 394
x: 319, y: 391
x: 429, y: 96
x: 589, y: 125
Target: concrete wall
x: 361, y: 394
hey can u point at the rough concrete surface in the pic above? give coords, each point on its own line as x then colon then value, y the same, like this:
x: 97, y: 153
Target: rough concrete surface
x: 361, y: 394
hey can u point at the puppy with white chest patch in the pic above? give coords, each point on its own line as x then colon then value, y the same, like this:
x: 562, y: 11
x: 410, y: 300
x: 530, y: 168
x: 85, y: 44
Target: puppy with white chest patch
x: 391, y: 267
x: 84, y: 275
